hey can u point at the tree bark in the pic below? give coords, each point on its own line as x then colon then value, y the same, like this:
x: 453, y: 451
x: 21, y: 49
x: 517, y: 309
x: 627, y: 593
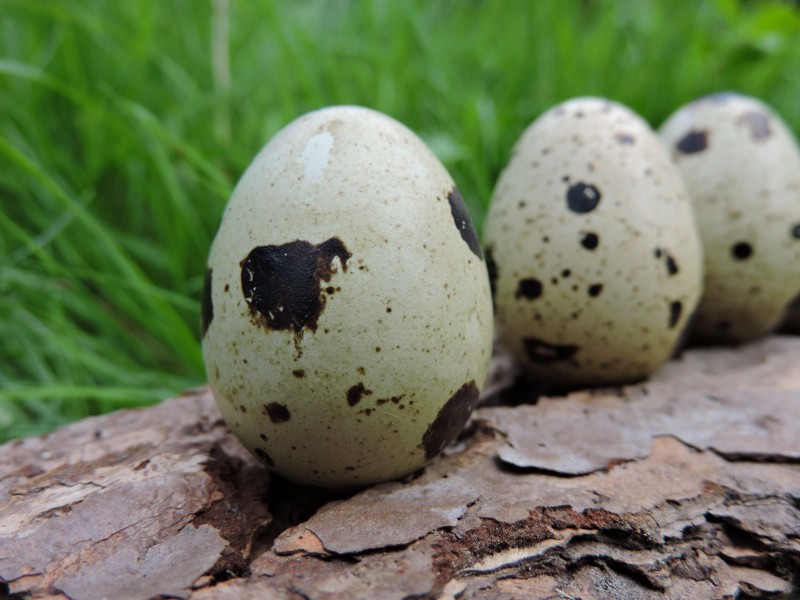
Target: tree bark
x: 684, y: 486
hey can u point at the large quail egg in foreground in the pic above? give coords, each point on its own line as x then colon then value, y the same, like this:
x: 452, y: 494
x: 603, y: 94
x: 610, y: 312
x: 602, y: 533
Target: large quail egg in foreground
x: 741, y: 165
x: 592, y: 247
x: 347, y: 314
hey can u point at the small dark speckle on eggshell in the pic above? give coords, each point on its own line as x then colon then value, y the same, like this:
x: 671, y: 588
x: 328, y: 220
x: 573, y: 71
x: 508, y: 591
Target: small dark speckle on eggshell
x: 491, y: 267
x: 356, y: 392
x: 672, y: 266
x: 529, y: 288
x: 693, y: 142
x: 590, y: 240
x: 278, y: 413
x: 675, y: 310
x: 741, y: 251
x: 583, y: 197
x: 206, y: 306
x: 463, y: 222
x: 758, y: 124
x: 451, y: 419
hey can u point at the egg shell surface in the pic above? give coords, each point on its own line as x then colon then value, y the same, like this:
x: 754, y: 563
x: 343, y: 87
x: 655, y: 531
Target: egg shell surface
x: 592, y: 249
x: 347, y: 312
x: 741, y: 165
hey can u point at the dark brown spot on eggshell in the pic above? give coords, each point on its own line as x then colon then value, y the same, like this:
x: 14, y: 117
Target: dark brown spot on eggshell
x: 590, y: 240
x: 672, y: 266
x: 675, y: 310
x: 491, y: 268
x: 741, y: 251
x: 529, y: 288
x: 451, y: 419
x: 355, y: 393
x: 281, y: 284
x: 583, y: 197
x: 206, y: 306
x: 595, y: 290
x: 278, y: 413
x: 540, y: 351
x: 464, y: 222
x: 393, y: 399
x: 758, y: 124
x: 693, y: 142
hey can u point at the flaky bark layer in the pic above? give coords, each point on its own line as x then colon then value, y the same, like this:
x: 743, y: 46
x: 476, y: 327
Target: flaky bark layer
x: 685, y: 486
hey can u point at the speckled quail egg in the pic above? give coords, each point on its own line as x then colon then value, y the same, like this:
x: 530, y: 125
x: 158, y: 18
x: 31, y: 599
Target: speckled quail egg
x: 347, y: 318
x: 741, y: 165
x: 592, y: 247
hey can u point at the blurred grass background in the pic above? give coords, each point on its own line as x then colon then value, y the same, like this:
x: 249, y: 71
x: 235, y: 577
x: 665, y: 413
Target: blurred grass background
x: 125, y: 125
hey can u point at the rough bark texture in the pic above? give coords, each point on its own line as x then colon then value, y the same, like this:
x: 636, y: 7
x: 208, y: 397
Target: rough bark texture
x: 685, y: 486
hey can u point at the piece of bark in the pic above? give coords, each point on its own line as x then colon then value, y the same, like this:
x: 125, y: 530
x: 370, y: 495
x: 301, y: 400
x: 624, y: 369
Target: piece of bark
x: 142, y: 502
x: 685, y: 486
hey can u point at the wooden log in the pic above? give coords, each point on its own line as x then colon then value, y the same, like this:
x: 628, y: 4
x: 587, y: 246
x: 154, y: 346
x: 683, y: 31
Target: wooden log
x: 684, y: 486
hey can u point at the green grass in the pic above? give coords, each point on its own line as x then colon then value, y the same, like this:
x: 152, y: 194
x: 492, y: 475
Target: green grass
x: 123, y: 130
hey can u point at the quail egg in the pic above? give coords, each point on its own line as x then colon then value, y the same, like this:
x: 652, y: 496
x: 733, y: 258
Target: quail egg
x: 741, y: 165
x: 347, y: 319
x: 592, y: 247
